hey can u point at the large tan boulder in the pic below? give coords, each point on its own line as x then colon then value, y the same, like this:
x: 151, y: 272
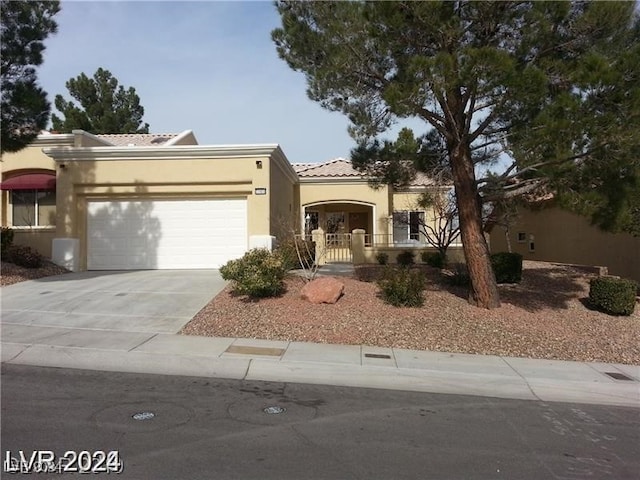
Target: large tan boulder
x: 323, y: 290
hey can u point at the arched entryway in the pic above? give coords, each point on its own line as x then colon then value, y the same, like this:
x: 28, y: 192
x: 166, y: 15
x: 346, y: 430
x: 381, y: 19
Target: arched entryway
x: 338, y: 219
x: 341, y: 216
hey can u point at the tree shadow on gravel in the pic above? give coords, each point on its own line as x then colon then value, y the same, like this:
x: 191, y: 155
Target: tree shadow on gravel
x: 543, y: 288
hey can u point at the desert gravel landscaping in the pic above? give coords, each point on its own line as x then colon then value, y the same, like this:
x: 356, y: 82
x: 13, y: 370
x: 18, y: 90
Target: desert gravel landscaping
x: 10, y: 273
x: 545, y: 316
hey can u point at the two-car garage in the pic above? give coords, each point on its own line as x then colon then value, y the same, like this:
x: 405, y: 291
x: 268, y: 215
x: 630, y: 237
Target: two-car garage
x: 165, y: 234
x: 177, y: 206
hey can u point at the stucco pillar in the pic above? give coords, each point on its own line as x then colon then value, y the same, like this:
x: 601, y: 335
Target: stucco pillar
x: 357, y: 246
x: 320, y: 240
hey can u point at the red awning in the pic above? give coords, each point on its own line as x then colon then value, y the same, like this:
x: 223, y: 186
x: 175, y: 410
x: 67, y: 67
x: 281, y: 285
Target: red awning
x: 30, y: 181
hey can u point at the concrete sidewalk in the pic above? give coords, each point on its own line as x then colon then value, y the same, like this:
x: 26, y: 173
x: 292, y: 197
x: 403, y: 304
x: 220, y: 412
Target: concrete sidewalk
x: 343, y: 365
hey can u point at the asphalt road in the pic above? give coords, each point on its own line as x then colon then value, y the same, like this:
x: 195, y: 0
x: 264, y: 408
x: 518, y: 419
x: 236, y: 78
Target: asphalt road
x: 217, y: 429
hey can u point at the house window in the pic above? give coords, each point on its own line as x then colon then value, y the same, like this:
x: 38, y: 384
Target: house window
x: 532, y: 243
x: 522, y: 237
x: 335, y: 222
x: 407, y: 226
x: 311, y: 222
x: 33, y: 208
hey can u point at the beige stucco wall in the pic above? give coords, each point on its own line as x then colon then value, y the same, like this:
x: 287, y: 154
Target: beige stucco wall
x: 180, y: 178
x: 561, y: 236
x: 336, y: 191
x: 406, y: 201
x: 38, y: 239
x: 409, y: 201
x: 283, y: 207
x: 31, y: 157
x: 455, y: 254
x: 30, y: 160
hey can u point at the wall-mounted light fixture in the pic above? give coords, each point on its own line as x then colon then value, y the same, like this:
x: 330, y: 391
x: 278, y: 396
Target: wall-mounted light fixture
x: 260, y: 191
x: 258, y: 163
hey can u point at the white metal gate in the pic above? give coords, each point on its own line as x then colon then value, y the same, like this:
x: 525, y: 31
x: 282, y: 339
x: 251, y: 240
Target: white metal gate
x: 338, y: 247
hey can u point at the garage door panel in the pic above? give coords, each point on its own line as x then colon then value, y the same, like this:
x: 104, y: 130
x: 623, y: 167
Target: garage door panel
x: 165, y: 234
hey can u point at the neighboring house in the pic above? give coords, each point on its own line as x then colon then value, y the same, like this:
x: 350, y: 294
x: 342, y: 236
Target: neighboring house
x: 547, y: 233
x: 150, y: 201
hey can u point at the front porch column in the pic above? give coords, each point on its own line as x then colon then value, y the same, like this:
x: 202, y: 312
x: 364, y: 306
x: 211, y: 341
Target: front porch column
x: 357, y: 246
x: 321, y: 248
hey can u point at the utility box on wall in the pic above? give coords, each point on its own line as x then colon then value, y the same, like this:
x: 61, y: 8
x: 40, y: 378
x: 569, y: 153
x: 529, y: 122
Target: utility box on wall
x: 66, y: 253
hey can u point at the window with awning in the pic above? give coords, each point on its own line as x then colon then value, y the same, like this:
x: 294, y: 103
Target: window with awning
x: 33, y: 199
x: 30, y: 181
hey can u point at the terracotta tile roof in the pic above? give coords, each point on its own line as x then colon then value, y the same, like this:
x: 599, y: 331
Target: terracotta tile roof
x: 422, y: 180
x: 338, y: 167
x: 298, y: 167
x: 138, y: 139
x: 342, y: 168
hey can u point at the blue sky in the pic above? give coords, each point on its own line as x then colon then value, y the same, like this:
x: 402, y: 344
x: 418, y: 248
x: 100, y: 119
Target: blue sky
x: 206, y: 66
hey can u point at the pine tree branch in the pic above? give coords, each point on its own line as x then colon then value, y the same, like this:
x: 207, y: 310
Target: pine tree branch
x: 434, y: 119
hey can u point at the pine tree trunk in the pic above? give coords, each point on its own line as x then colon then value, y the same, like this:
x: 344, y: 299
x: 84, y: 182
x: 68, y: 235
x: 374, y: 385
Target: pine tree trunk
x: 484, y: 290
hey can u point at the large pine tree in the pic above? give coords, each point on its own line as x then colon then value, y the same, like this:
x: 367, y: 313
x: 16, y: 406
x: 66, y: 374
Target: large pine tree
x: 553, y: 86
x: 25, y: 109
x: 104, y: 106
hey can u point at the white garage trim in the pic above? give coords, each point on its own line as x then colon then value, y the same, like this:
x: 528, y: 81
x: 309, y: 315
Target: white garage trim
x: 165, y: 234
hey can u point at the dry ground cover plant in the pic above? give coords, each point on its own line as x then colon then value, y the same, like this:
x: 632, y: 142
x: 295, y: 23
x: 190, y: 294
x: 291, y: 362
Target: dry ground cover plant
x: 545, y: 316
x: 11, y: 273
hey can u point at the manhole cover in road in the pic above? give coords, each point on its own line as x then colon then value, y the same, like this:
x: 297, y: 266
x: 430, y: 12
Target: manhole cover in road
x: 274, y: 410
x: 142, y: 417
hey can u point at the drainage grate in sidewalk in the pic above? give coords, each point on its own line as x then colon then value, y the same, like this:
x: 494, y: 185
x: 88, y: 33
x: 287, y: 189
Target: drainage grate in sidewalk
x: 619, y: 376
x: 273, y: 352
x: 377, y: 355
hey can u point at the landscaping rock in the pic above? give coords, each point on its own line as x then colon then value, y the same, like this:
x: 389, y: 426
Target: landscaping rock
x: 323, y: 290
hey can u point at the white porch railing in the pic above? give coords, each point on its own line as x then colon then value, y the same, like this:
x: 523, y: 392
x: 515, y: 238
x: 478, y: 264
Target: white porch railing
x: 338, y: 247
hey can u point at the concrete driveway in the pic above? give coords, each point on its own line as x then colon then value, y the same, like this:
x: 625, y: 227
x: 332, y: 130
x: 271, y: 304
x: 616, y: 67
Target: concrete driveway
x: 149, y: 301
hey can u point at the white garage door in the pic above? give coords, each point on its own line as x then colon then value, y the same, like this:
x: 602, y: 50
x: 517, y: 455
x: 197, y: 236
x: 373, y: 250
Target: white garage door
x: 173, y: 234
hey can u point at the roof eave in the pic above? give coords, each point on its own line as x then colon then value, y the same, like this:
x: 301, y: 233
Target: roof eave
x: 158, y: 152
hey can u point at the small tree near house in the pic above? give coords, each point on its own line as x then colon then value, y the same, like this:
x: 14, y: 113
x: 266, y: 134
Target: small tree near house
x: 297, y: 250
x: 503, y: 214
x: 445, y: 227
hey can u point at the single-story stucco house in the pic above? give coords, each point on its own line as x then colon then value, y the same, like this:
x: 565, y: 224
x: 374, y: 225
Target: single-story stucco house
x: 543, y: 231
x: 162, y: 201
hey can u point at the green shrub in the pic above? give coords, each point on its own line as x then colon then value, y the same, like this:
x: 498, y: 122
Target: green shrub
x: 382, y: 258
x: 289, y: 255
x: 24, y: 256
x: 402, y: 287
x: 259, y: 273
x: 616, y: 296
x: 507, y: 267
x: 460, y: 275
x: 433, y: 259
x: 405, y: 258
x: 6, y: 239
